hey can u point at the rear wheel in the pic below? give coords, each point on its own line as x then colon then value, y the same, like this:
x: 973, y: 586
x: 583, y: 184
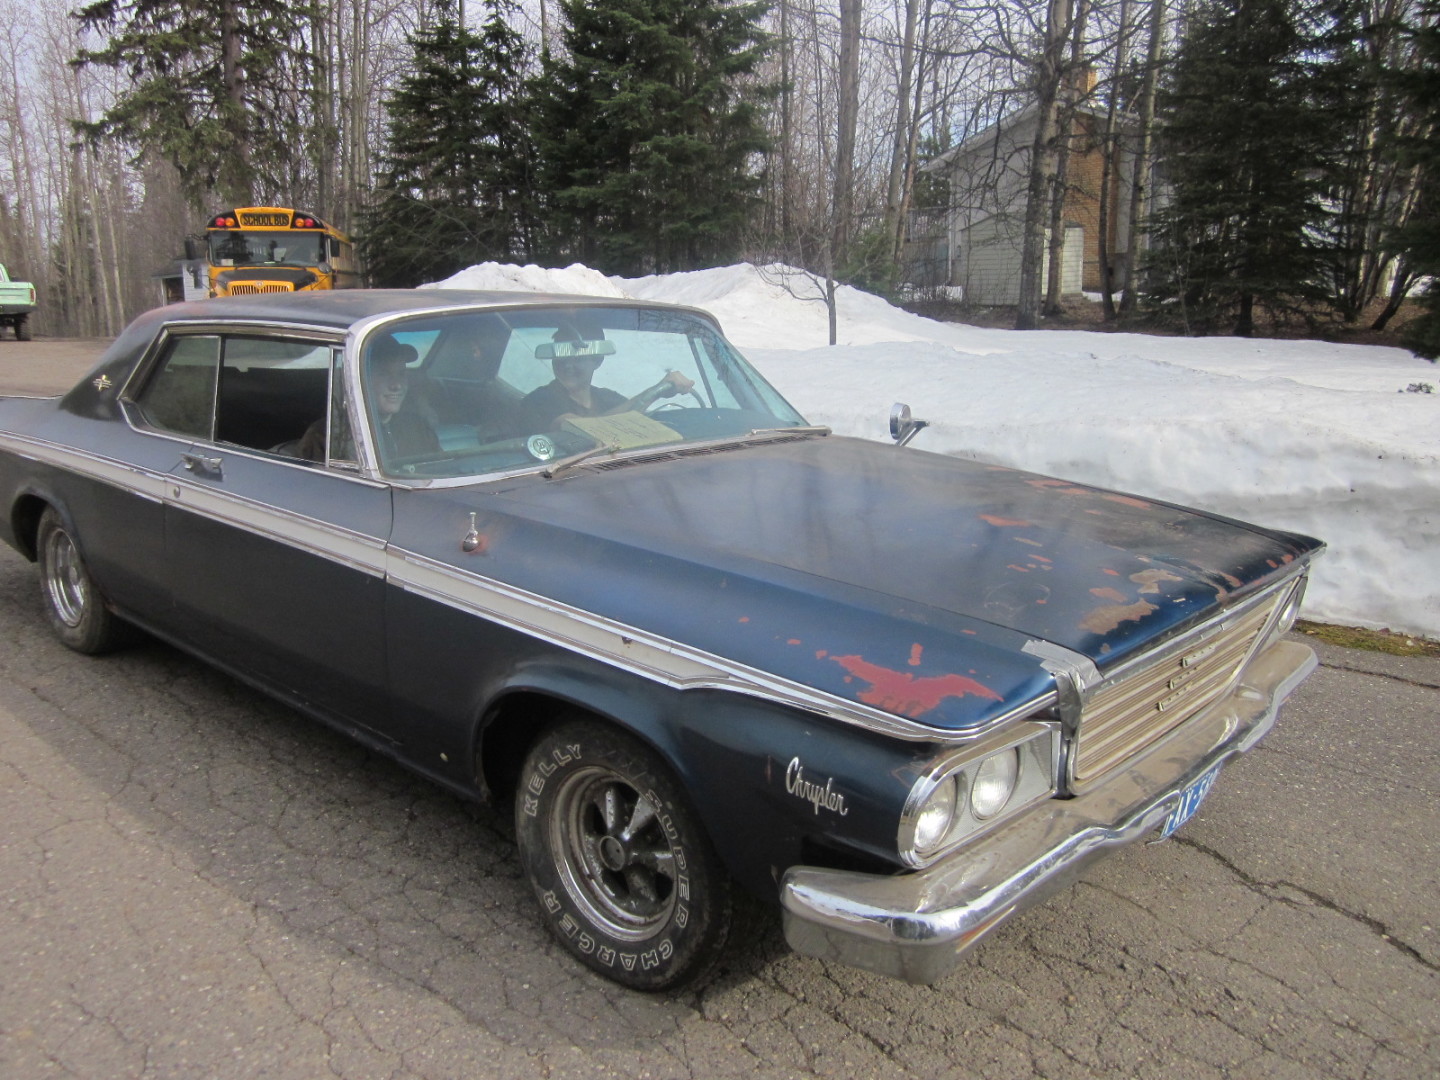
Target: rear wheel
x: 22, y: 329
x: 73, y: 604
x: 626, y: 878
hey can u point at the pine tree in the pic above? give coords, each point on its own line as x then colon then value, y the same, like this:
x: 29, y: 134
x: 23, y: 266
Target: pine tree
x: 1247, y: 145
x: 210, y: 88
x: 456, y: 188
x: 1421, y: 238
x: 651, y: 132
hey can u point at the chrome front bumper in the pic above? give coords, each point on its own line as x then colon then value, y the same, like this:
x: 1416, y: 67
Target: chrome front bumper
x: 914, y: 926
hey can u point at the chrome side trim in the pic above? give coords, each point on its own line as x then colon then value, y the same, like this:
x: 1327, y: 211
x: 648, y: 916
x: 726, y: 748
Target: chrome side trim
x: 658, y: 659
x: 356, y: 550
x: 142, y: 483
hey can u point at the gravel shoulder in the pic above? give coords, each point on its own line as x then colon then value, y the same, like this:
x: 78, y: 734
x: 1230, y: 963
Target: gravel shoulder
x: 47, y: 366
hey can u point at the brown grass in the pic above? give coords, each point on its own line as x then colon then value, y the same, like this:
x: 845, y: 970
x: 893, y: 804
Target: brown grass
x: 1385, y: 641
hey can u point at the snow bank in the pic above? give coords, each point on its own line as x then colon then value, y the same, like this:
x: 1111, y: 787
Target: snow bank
x: 504, y: 277
x: 1309, y: 436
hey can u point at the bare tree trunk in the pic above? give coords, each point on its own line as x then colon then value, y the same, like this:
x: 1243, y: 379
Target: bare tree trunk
x: 899, y: 152
x: 1048, y: 68
x: 1110, y: 149
x: 907, y: 188
x: 236, y: 186
x: 1073, y: 93
x: 843, y: 199
x: 1139, y: 187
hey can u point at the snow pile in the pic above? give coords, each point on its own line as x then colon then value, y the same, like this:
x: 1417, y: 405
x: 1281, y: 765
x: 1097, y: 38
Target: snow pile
x: 504, y: 277
x: 1309, y: 436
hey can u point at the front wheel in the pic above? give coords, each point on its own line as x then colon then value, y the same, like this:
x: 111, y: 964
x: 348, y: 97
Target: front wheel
x: 73, y: 604
x: 626, y: 878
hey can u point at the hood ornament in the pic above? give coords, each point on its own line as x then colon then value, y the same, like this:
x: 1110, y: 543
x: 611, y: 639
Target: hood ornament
x: 473, y: 541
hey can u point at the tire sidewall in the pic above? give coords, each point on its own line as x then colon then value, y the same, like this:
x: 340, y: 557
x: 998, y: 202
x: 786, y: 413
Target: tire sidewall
x: 686, y: 946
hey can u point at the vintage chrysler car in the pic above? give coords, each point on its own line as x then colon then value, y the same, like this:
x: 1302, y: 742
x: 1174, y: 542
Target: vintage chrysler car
x: 577, y: 556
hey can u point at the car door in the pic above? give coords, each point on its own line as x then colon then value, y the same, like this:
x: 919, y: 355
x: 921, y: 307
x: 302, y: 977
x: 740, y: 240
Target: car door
x: 276, y: 562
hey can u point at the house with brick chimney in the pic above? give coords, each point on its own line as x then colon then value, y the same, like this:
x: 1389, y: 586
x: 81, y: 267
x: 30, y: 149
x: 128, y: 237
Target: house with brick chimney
x: 975, y: 242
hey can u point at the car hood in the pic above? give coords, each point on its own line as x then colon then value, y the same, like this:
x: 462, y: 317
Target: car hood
x: 920, y: 584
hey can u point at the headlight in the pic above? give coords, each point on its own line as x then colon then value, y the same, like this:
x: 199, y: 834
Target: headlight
x: 994, y: 783
x: 936, y: 815
x: 974, y: 788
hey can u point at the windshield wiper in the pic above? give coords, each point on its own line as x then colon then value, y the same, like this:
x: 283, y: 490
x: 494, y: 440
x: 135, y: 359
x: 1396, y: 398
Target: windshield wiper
x: 813, y: 429
x: 555, y: 468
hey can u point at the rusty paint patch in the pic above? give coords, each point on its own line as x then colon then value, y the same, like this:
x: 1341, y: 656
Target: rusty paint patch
x: 1108, y: 593
x: 744, y: 618
x: 820, y: 654
x: 1105, y: 619
x: 1112, y: 573
x: 793, y: 641
x: 915, y: 652
x: 1127, y: 500
x: 902, y: 693
x: 1149, y: 580
x: 1037, y: 558
x: 1004, y: 522
x: 1022, y: 569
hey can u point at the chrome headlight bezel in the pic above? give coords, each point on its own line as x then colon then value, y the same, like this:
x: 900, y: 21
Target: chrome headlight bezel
x: 1035, y: 746
x: 1288, y: 611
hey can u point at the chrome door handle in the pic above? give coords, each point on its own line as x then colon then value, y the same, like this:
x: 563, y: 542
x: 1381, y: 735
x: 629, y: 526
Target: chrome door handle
x: 199, y: 463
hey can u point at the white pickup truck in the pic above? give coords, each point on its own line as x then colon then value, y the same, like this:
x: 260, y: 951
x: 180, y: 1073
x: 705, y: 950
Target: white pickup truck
x: 17, y: 301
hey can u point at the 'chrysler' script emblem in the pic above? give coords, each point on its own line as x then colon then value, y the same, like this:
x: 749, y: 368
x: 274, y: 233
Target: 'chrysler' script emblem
x: 821, y: 797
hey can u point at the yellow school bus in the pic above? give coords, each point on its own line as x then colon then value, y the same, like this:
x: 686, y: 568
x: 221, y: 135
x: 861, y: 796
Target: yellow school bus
x: 264, y: 249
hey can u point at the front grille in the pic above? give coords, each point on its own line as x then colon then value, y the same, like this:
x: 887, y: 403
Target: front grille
x: 1122, y: 717
x: 250, y: 290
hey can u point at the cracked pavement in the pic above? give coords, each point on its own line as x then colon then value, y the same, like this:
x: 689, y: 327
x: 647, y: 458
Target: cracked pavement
x: 197, y: 882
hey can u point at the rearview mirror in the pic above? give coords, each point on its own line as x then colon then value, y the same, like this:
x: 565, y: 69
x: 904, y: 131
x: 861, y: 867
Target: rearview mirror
x: 564, y: 350
x: 903, y: 426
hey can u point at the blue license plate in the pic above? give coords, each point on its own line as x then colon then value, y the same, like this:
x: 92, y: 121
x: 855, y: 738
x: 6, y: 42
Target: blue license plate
x: 1190, y: 800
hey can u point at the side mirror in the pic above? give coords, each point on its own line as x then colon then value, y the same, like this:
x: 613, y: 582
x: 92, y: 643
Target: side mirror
x: 192, y: 250
x: 903, y: 426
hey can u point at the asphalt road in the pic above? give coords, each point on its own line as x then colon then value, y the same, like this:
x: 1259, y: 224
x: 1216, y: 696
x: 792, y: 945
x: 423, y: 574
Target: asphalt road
x: 195, y: 882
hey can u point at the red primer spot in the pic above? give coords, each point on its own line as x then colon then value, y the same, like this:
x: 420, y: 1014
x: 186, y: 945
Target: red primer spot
x: 1048, y: 483
x: 1022, y: 569
x: 972, y: 633
x: 1040, y: 558
x: 902, y: 693
x: 915, y: 651
x: 1113, y: 573
x: 744, y: 618
x: 820, y: 654
x: 1109, y: 594
x: 1272, y: 563
x: 793, y: 641
x: 1003, y: 522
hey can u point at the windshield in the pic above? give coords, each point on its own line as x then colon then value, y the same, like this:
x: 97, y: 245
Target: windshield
x: 281, y: 246
x: 475, y: 393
